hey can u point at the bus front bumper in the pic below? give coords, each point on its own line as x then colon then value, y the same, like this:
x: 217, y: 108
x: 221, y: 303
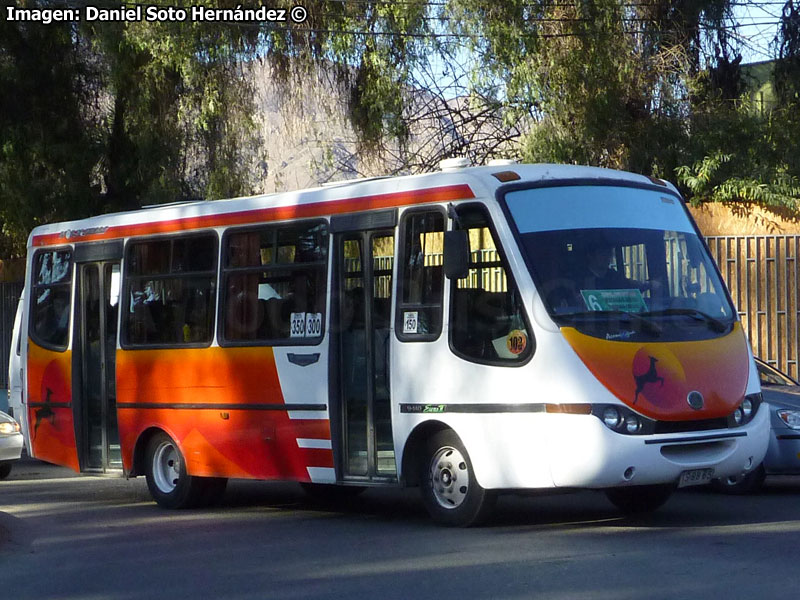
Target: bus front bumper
x: 589, y: 455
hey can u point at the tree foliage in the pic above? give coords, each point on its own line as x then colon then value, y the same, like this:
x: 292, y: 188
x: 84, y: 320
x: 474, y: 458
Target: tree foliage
x: 787, y: 67
x: 110, y: 116
x: 736, y: 153
x: 100, y: 116
x: 605, y: 82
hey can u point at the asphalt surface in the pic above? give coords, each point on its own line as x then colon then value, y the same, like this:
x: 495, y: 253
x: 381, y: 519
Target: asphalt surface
x: 70, y: 537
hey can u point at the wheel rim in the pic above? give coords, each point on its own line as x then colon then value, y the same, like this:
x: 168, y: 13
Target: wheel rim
x: 166, y: 467
x: 449, y: 477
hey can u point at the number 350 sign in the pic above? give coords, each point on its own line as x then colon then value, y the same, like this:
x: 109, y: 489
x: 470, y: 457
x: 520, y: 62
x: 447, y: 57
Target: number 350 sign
x: 305, y: 325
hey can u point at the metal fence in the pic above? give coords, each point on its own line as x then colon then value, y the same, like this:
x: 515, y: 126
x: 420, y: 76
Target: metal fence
x: 762, y: 273
x: 9, y: 297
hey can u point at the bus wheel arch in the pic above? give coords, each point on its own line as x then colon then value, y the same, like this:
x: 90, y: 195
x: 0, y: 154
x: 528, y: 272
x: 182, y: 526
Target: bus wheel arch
x: 140, y: 451
x: 414, y: 450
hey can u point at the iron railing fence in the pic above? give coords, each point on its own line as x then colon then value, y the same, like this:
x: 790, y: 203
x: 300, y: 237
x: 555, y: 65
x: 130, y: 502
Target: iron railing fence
x: 762, y: 274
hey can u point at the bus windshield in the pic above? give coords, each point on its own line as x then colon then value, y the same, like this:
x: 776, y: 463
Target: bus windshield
x: 620, y: 262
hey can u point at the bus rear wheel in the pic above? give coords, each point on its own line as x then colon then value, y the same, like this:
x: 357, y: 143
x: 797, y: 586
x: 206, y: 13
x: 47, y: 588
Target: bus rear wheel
x: 450, y: 492
x: 640, y: 499
x: 169, y: 483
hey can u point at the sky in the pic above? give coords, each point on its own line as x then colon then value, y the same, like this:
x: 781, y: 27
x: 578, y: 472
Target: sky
x: 758, y: 27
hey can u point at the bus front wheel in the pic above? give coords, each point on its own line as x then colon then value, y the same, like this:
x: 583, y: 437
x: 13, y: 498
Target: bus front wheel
x: 169, y: 483
x: 450, y: 492
x: 639, y: 499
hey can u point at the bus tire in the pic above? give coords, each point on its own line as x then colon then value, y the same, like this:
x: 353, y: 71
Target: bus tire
x: 5, y: 470
x: 450, y: 492
x: 165, y: 471
x: 640, y: 499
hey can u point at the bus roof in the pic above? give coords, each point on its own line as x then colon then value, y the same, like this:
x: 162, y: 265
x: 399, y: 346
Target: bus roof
x: 449, y: 185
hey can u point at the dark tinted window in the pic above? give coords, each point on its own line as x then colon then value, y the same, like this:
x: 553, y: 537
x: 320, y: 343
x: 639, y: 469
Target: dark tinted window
x: 487, y: 320
x: 171, y: 291
x: 51, y: 298
x: 419, y: 314
x: 274, y: 283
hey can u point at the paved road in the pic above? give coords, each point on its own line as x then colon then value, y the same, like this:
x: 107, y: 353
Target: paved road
x: 73, y: 537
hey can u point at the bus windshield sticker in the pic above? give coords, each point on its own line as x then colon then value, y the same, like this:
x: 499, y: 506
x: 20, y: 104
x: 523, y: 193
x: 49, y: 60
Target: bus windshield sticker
x: 313, y: 324
x: 623, y: 300
x: 516, y: 341
x: 298, y: 325
x: 411, y: 321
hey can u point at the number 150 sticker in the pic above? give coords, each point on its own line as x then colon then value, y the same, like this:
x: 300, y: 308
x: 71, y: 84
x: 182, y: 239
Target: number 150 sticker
x: 305, y: 325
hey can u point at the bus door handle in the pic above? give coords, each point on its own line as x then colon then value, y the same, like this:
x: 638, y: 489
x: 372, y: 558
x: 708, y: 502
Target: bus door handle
x: 303, y: 360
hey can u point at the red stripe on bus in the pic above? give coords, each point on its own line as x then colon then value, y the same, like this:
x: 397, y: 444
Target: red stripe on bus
x: 280, y: 213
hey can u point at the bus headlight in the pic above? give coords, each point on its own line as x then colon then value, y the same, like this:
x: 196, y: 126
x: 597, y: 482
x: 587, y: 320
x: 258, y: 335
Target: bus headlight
x: 632, y: 424
x: 611, y: 417
x: 745, y: 412
x: 790, y: 417
x: 747, y: 408
x: 621, y: 419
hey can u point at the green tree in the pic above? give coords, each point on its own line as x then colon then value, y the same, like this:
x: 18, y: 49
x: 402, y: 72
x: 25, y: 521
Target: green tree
x: 738, y: 155
x: 110, y: 116
x: 602, y: 82
x: 47, y: 149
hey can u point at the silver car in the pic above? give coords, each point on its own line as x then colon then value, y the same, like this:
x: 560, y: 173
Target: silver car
x: 782, y: 393
x: 10, y: 443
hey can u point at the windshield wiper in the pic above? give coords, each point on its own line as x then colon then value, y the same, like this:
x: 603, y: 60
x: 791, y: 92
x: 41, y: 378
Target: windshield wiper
x: 698, y: 315
x: 641, y: 318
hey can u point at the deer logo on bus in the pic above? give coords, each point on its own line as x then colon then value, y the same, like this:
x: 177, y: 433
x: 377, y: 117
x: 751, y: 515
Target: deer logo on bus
x: 651, y: 376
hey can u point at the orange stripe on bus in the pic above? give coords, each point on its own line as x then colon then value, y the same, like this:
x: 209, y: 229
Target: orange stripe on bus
x: 280, y: 213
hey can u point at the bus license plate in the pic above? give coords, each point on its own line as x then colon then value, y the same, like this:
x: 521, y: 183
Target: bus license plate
x: 696, y: 477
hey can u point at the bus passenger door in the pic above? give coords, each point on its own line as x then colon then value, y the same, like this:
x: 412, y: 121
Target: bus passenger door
x: 96, y: 338
x: 363, y: 288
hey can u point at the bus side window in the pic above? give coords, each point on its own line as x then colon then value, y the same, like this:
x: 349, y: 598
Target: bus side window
x: 419, y: 307
x: 51, y: 298
x: 487, y: 320
x: 274, y: 284
x: 171, y: 285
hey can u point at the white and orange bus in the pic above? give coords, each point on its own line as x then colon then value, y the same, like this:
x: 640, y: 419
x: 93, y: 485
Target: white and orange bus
x: 471, y: 331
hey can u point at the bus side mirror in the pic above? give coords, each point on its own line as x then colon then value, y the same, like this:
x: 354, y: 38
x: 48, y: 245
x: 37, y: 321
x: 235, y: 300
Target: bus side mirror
x: 456, y: 254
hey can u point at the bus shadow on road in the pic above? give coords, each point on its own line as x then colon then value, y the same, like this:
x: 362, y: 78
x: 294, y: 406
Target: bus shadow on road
x: 382, y: 503
x: 685, y: 509
x: 694, y: 508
